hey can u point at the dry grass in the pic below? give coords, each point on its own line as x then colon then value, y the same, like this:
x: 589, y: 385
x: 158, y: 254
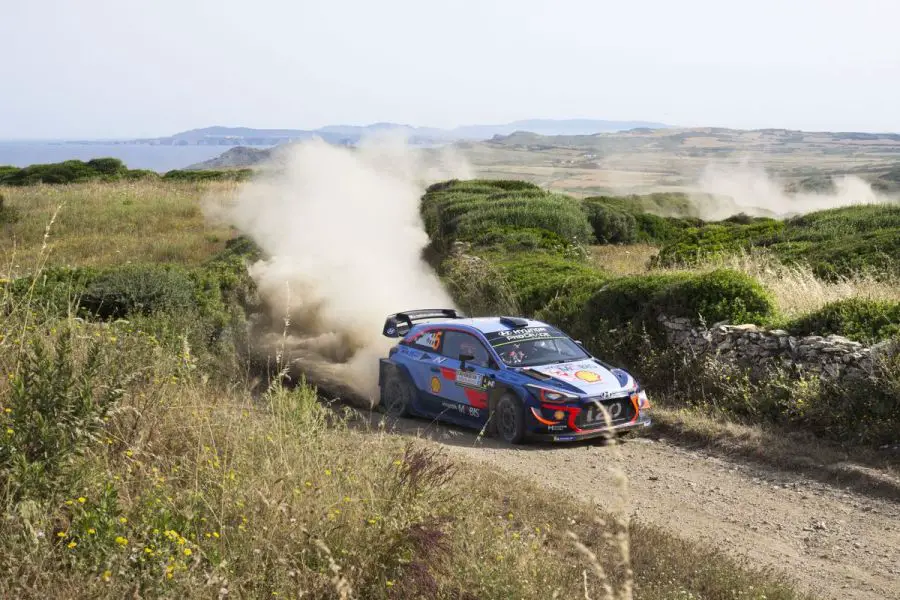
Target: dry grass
x: 102, y: 224
x: 626, y: 259
x: 795, y: 289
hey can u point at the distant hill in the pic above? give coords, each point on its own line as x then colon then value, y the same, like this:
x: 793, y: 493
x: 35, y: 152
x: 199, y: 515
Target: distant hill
x: 351, y: 134
x: 706, y: 141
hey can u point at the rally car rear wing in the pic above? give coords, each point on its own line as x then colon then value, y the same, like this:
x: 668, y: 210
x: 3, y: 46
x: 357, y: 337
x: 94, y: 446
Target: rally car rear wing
x: 399, y: 324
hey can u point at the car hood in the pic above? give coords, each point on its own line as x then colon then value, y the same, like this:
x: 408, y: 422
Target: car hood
x: 587, y: 377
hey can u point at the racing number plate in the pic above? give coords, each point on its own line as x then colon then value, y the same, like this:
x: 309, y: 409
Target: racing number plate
x: 593, y: 415
x: 468, y: 378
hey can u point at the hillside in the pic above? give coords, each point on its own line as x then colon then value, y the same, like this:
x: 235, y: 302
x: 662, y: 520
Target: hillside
x: 350, y: 134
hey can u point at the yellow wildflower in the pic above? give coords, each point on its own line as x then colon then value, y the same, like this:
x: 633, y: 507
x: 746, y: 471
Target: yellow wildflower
x: 187, y: 551
x: 72, y: 544
x: 123, y: 520
x: 91, y: 531
x: 82, y: 499
x: 122, y: 541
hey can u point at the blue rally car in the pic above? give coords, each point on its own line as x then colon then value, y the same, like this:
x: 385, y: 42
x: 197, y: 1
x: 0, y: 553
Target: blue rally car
x: 517, y: 378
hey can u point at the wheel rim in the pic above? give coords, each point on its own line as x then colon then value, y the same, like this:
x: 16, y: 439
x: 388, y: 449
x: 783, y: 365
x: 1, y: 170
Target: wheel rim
x: 395, y: 400
x: 507, y: 418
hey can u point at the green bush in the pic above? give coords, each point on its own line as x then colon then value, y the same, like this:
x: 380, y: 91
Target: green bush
x: 611, y: 226
x: 55, y: 292
x: 720, y: 295
x: 835, y: 242
x: 855, y: 318
x: 107, y: 166
x: 485, y: 212
x: 139, y: 290
x: 536, y: 279
x: 56, y: 404
x: 696, y: 244
x: 208, y: 175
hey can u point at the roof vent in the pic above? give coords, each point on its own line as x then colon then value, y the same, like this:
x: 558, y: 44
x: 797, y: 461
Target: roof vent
x: 514, y: 321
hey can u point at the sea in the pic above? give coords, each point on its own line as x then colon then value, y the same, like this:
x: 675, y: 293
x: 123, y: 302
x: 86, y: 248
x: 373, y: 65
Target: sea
x: 136, y: 156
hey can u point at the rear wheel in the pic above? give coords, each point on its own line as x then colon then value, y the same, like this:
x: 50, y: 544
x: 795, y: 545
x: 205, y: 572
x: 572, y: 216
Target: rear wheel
x: 397, y: 395
x: 509, y: 416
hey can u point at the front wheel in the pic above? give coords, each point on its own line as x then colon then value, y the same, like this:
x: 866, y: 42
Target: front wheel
x: 510, y: 419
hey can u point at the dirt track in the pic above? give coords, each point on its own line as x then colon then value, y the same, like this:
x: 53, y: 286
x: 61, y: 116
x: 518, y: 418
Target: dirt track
x: 835, y: 543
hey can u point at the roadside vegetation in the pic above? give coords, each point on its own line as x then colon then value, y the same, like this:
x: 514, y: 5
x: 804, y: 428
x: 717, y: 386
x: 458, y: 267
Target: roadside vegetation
x: 145, y: 452
x: 106, y: 170
x: 828, y: 272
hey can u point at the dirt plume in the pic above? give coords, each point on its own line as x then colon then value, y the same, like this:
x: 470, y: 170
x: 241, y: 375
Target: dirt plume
x: 342, y: 231
x: 724, y: 190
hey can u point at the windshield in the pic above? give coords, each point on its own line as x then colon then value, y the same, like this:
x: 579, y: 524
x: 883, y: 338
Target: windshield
x: 533, y: 346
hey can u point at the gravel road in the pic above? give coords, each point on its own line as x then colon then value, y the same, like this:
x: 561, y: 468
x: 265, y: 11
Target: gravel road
x: 835, y: 542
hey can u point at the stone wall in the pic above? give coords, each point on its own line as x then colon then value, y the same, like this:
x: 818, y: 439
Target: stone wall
x: 758, y: 348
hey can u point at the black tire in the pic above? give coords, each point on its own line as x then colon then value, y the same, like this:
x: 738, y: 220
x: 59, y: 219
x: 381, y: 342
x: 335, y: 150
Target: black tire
x: 397, y: 395
x: 509, y: 417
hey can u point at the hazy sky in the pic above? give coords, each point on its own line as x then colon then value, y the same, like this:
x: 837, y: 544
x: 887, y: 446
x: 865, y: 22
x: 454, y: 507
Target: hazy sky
x: 123, y: 68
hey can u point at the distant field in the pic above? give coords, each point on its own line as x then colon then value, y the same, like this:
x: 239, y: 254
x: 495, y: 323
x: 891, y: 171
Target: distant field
x: 105, y: 224
x: 672, y: 160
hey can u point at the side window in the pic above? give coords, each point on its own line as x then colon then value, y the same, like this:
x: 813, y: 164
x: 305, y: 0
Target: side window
x: 457, y: 342
x: 430, y: 341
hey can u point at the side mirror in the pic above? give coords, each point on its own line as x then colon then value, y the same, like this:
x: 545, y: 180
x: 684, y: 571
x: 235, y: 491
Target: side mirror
x: 463, y: 358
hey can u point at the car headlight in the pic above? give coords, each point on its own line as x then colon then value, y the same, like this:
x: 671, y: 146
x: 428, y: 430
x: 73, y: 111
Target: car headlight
x: 551, y: 395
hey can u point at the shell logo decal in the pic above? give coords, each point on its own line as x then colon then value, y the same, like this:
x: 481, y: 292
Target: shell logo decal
x: 588, y: 376
x: 435, y: 385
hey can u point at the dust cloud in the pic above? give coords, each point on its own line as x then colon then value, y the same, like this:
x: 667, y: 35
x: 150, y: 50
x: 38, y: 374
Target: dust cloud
x: 723, y: 190
x: 342, y: 231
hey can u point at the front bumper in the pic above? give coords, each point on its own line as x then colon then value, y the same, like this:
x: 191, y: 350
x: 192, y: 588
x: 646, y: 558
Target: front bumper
x: 569, y: 435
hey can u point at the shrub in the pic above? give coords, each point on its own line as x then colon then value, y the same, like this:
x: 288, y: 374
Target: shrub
x: 486, y: 213
x: 56, y: 404
x: 696, y: 244
x: 720, y: 295
x: 537, y: 279
x: 107, y: 166
x: 139, y: 290
x: 55, y: 292
x: 611, y: 226
x: 856, y: 318
x: 208, y: 175
x: 836, y: 242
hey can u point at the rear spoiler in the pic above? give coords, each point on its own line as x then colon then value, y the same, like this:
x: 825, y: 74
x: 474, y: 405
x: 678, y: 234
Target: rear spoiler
x: 399, y: 324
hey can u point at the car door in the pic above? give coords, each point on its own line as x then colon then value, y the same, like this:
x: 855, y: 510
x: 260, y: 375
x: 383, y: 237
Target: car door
x: 424, y: 369
x: 463, y: 390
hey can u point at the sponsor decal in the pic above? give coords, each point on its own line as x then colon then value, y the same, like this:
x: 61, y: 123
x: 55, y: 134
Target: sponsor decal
x: 469, y: 378
x: 435, y: 385
x: 563, y: 438
x: 588, y: 376
x: 462, y: 409
x: 509, y: 336
x: 391, y: 331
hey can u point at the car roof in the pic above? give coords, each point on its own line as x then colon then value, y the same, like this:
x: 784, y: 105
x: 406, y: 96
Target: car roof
x: 485, y: 324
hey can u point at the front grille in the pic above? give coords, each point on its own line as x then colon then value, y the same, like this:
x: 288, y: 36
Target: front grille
x: 621, y: 410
